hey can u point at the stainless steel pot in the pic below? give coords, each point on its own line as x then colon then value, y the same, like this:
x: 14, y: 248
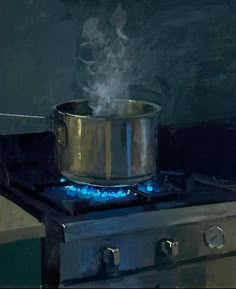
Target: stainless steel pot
x: 117, y: 150
x: 106, y: 151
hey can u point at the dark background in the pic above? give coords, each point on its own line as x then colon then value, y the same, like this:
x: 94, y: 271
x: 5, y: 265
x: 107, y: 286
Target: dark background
x: 184, y: 52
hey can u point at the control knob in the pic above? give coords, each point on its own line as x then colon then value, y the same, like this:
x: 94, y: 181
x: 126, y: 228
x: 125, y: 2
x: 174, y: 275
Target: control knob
x: 111, y: 257
x: 170, y: 247
x: 215, y: 237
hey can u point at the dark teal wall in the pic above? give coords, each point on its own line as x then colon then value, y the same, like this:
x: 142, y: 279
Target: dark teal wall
x: 184, y: 53
x: 20, y: 264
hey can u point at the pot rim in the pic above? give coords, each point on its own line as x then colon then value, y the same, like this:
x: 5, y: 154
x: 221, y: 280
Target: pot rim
x: 156, y: 110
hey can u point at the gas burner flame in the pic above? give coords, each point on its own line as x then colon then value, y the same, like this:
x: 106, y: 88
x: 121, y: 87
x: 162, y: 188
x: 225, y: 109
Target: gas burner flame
x: 149, y: 187
x: 89, y: 191
x: 62, y: 180
x: 106, y: 194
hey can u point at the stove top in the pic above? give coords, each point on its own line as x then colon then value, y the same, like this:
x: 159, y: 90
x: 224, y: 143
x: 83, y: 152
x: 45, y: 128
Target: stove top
x: 27, y: 165
x: 73, y: 198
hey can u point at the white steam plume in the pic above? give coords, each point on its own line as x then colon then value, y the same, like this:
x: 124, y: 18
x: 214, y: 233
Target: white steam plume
x: 108, y: 66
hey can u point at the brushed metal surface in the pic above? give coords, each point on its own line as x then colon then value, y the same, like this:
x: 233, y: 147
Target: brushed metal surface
x: 217, y: 273
x: 139, y: 240
x: 114, y: 150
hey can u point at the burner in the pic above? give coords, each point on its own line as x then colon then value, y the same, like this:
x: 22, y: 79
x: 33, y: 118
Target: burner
x: 76, y: 198
x: 100, y: 194
x: 35, y: 175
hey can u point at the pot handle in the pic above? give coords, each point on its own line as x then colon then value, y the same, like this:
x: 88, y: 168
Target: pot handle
x: 55, y: 125
x: 49, y: 120
x: 60, y: 131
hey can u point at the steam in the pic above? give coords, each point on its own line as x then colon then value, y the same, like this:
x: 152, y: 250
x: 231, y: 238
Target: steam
x: 106, y: 62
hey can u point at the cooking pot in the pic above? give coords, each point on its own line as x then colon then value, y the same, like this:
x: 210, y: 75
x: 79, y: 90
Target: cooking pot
x: 107, y: 151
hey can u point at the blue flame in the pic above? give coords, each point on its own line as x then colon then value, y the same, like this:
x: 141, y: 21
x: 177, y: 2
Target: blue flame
x: 149, y: 187
x: 96, y: 193
x: 62, y: 180
x: 104, y: 193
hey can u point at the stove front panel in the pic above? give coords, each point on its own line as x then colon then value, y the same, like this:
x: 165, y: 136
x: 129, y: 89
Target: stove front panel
x: 154, y: 248
x: 216, y: 273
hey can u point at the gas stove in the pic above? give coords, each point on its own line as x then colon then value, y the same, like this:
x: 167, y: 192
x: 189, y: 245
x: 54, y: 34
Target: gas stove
x: 175, y: 230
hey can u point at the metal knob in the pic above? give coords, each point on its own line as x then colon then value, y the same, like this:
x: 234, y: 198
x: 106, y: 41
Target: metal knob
x: 170, y: 247
x: 111, y: 257
x: 215, y: 237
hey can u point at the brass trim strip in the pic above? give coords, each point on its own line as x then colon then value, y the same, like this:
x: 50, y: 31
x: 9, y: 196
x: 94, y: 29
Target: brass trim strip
x: 108, y: 150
